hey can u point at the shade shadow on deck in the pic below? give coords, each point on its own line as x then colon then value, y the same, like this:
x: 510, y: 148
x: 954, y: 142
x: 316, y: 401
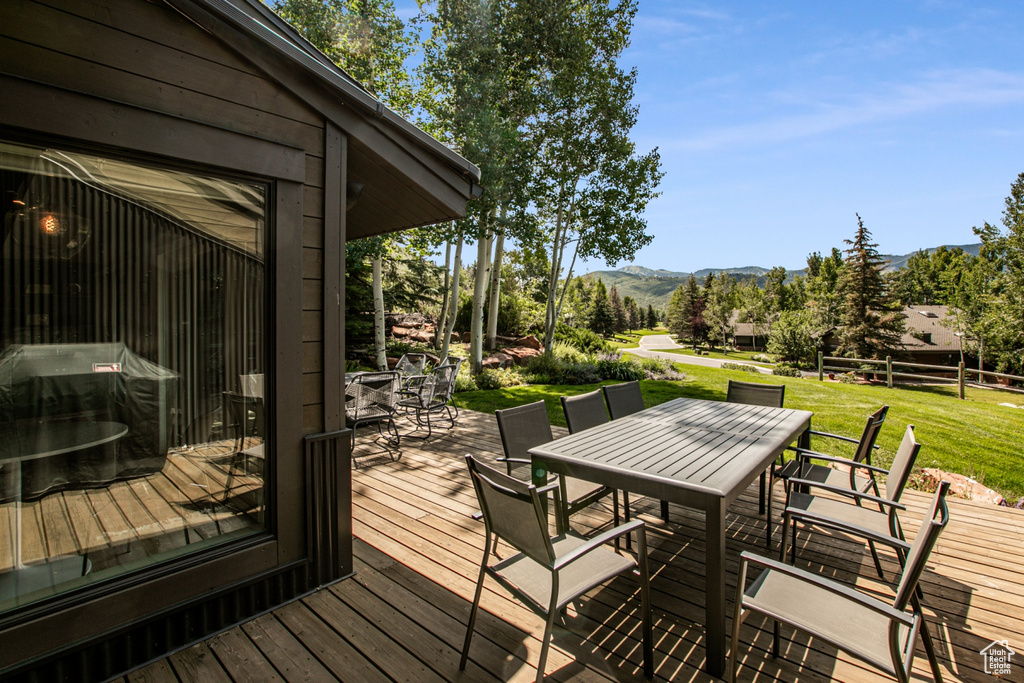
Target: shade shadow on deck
x: 402, y: 617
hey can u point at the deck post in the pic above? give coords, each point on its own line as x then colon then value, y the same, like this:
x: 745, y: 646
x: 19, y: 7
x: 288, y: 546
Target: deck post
x: 960, y: 376
x: 821, y: 367
x: 888, y: 371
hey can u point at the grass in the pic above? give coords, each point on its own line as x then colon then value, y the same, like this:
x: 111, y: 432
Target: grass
x: 976, y: 437
x: 721, y: 355
x: 626, y: 341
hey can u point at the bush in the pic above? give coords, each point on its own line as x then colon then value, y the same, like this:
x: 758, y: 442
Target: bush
x: 657, y: 368
x: 762, y: 358
x: 544, y: 369
x: 565, y: 352
x: 791, y: 338
x: 612, y: 367
x: 739, y: 366
x: 498, y: 379
x: 464, y: 380
x: 785, y: 371
x: 585, y: 340
x: 579, y: 373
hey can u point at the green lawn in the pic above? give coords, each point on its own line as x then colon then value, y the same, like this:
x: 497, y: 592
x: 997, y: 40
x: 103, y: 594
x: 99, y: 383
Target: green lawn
x: 721, y: 355
x: 624, y: 341
x: 976, y: 437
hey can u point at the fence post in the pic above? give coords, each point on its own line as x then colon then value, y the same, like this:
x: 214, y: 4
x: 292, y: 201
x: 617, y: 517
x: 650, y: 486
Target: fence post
x: 821, y: 368
x: 888, y: 371
x: 960, y: 378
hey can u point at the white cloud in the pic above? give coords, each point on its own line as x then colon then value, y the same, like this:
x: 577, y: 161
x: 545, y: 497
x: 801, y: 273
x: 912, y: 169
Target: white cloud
x: 934, y: 91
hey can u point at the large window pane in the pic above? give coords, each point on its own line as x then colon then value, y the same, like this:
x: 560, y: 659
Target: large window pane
x: 131, y: 367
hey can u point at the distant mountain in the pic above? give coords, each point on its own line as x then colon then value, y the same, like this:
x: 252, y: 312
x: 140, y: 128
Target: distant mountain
x: 655, y: 287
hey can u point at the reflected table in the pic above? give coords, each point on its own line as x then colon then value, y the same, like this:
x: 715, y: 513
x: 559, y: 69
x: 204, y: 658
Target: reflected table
x: 37, y: 439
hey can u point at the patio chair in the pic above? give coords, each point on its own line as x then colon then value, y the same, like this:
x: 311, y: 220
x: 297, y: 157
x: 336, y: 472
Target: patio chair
x: 428, y: 399
x: 245, y: 418
x: 412, y: 364
x: 583, y: 412
x: 773, y: 396
x: 802, y: 468
x: 878, y: 523
x: 879, y: 633
x: 526, y: 426
x: 625, y: 399
x: 372, y: 398
x: 548, y: 573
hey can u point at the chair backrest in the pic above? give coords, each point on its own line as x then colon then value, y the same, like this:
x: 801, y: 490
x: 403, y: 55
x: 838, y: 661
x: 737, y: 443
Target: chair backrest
x: 512, y: 510
x: 522, y: 428
x: 237, y: 418
x: 870, y: 434
x: 252, y: 385
x: 584, y: 411
x: 412, y: 364
x: 902, y: 465
x: 443, y: 379
x: 924, y: 542
x: 372, y: 393
x: 623, y: 399
x: 751, y: 393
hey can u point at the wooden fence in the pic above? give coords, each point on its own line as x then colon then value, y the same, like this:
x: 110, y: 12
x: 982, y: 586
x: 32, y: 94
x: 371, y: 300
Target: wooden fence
x: 959, y: 370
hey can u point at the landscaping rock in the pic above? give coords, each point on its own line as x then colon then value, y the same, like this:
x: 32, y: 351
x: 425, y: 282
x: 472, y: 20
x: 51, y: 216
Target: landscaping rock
x: 491, y: 363
x: 420, y: 336
x: 522, y: 354
x: 392, y: 363
x: 456, y: 338
x: 530, y: 342
x: 399, y: 331
x: 961, y: 486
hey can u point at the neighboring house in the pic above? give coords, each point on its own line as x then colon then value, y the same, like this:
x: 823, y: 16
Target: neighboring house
x: 926, y: 339
x: 178, y: 179
x: 743, y: 335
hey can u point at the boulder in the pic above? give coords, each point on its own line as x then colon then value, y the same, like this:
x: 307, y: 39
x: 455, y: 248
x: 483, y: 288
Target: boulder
x: 522, y: 354
x: 962, y: 486
x: 421, y: 336
x: 399, y: 331
x: 491, y: 363
x: 456, y: 338
x: 392, y: 363
x: 530, y: 342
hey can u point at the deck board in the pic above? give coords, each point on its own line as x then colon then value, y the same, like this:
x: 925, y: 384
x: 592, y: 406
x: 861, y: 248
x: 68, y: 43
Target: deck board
x: 403, y: 615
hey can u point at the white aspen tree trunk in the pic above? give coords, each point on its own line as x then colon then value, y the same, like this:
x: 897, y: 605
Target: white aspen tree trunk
x: 453, y: 299
x: 494, y: 303
x: 476, y: 342
x: 378, y: 315
x: 551, y: 313
x: 442, y: 318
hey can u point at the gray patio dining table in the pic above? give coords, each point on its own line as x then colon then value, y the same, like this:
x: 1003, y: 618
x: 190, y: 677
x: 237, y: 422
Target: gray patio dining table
x: 701, y: 454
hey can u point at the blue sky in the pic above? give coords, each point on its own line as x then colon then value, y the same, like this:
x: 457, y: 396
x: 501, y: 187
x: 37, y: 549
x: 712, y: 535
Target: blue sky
x: 777, y: 122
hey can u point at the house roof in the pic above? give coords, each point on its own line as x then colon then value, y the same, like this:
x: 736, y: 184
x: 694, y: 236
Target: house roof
x: 409, y: 177
x: 925, y: 331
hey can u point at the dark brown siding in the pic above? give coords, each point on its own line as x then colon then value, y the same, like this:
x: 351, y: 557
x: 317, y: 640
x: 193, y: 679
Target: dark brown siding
x: 147, y: 55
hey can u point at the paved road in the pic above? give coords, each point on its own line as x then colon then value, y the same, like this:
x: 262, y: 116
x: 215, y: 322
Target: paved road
x: 650, y: 344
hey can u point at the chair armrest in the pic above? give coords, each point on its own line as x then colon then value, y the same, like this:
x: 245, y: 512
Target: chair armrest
x: 848, y: 492
x: 829, y: 435
x: 842, y: 590
x: 845, y: 527
x: 804, y: 454
x: 596, y: 542
x: 520, y: 461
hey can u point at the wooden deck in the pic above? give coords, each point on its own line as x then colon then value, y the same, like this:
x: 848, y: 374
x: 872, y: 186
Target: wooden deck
x: 402, y: 617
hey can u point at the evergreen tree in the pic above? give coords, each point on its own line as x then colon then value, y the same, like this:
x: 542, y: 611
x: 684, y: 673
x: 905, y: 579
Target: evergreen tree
x: 719, y: 306
x: 677, y: 317
x: 602, y: 319
x: 634, y: 317
x: 696, y: 326
x: 871, y: 322
x: 652, y: 317
x: 618, y: 310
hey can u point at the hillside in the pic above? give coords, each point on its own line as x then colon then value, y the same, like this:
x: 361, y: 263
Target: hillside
x: 655, y: 287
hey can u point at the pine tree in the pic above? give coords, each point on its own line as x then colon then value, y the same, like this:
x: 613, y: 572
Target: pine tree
x: 634, y: 317
x: 602, y: 319
x: 871, y: 323
x: 652, y: 317
x: 618, y: 310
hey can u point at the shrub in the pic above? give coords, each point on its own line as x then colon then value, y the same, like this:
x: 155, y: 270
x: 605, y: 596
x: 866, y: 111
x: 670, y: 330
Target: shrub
x: 614, y: 367
x: 785, y: 371
x: 498, y: 379
x: 579, y: 373
x: 762, y: 358
x: 545, y: 369
x: 585, y: 340
x: 657, y: 368
x: 848, y: 378
x: 464, y: 380
x: 565, y: 352
x: 740, y: 367
x: 791, y: 338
